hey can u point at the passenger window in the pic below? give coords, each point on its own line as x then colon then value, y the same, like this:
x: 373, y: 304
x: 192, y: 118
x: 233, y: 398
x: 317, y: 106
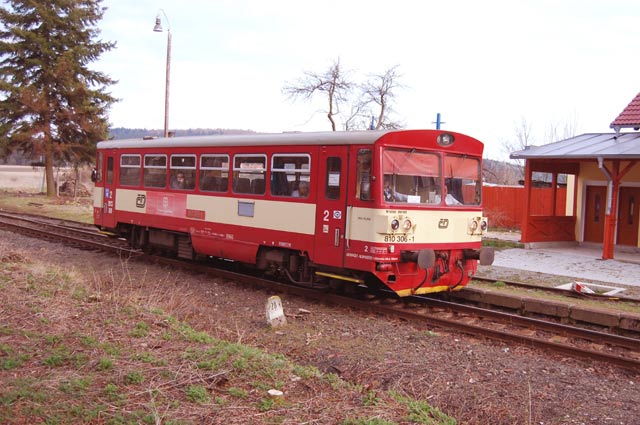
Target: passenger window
x: 214, y: 173
x: 290, y: 175
x: 333, y: 178
x: 249, y: 173
x: 183, y: 172
x: 130, y: 170
x: 155, y: 171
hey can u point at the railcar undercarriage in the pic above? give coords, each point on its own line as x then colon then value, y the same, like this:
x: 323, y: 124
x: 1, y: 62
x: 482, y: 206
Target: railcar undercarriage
x: 429, y: 269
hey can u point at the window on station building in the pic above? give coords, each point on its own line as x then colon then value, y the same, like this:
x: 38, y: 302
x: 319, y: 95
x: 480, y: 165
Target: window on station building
x: 214, y: 173
x: 183, y: 172
x: 130, y: 170
x: 290, y: 175
x: 155, y: 171
x: 249, y: 173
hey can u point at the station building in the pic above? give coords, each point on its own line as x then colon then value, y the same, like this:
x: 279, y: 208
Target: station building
x: 603, y: 187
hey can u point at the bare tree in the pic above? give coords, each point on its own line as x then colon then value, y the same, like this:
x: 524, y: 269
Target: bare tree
x: 359, y: 117
x: 557, y: 131
x: 380, y: 90
x: 332, y: 82
x: 502, y: 173
x: 522, y: 140
x: 356, y: 110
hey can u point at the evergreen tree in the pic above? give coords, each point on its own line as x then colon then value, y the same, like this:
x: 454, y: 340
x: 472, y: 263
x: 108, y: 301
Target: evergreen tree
x: 51, y: 103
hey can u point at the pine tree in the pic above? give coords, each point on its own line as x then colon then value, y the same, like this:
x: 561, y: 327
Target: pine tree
x: 51, y: 103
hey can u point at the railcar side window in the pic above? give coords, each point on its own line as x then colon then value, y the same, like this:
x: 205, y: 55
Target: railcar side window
x: 130, y: 170
x: 183, y: 172
x: 363, y: 174
x: 96, y: 175
x: 248, y: 173
x: 290, y: 175
x: 214, y: 173
x: 155, y: 171
x: 110, y: 170
x: 333, y: 177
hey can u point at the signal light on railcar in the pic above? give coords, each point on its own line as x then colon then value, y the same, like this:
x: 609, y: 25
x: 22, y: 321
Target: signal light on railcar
x: 484, y: 225
x: 406, y: 225
x: 473, y: 225
x: 445, y: 139
x: 395, y: 224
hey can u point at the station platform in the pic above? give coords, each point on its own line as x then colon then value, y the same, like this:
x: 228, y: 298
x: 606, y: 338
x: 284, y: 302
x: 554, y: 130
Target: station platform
x: 577, y: 261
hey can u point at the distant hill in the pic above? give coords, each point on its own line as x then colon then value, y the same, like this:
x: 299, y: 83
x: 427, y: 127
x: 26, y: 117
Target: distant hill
x: 502, y: 173
x: 119, y: 133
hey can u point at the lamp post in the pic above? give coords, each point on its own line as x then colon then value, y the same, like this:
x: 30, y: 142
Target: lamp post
x: 158, y: 28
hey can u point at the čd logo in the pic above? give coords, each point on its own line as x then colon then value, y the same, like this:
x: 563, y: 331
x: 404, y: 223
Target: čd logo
x: 141, y: 200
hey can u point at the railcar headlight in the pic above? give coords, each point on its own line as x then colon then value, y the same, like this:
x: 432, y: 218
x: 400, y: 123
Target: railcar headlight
x: 473, y: 225
x: 406, y: 225
x: 395, y: 224
x: 446, y: 139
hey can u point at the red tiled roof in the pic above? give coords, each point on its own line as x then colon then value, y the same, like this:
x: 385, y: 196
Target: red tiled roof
x: 630, y: 116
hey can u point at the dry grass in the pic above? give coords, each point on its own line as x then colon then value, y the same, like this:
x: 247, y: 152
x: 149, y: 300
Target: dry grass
x: 66, y: 208
x: 107, y: 346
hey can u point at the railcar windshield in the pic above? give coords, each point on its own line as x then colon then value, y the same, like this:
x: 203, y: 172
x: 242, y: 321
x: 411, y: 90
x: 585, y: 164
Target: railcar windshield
x: 416, y: 177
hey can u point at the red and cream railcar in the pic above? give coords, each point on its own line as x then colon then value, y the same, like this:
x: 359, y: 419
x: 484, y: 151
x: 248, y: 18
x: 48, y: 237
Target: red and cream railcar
x: 395, y: 208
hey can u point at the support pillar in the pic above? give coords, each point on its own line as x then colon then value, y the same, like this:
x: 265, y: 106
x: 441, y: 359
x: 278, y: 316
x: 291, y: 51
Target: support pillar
x: 527, y: 202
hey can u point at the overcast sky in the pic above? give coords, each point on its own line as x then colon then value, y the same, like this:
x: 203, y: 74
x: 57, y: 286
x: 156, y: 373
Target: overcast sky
x: 484, y: 65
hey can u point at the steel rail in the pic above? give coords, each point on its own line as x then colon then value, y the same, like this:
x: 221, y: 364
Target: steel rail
x: 559, y: 291
x: 538, y: 324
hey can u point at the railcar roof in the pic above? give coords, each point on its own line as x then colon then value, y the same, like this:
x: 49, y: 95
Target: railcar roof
x: 258, y: 139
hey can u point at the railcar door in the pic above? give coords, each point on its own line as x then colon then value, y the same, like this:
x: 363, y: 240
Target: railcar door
x: 331, y: 206
x: 109, y: 192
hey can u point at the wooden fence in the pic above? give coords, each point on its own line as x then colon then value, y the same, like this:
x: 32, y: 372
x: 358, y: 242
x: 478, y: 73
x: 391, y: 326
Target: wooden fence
x: 504, y: 205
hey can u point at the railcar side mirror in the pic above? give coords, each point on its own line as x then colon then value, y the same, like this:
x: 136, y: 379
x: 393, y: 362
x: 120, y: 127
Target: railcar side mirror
x: 94, y: 175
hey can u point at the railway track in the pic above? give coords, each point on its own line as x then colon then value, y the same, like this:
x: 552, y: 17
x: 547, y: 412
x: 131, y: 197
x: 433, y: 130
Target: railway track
x: 570, y: 340
x: 559, y: 291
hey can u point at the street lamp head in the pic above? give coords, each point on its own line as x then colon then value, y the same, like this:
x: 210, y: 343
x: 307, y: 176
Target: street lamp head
x: 158, y: 26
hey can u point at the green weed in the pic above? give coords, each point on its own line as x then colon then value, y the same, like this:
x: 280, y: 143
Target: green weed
x: 134, y: 378
x: 237, y: 392
x: 140, y: 331
x: 104, y: 363
x: 197, y: 394
x: 420, y: 412
x: 371, y: 421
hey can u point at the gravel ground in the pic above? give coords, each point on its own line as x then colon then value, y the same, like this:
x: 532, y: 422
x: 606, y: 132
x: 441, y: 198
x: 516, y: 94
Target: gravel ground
x: 472, y: 379
x: 573, y: 263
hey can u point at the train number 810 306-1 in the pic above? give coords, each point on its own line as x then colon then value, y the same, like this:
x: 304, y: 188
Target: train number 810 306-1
x: 398, y: 238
